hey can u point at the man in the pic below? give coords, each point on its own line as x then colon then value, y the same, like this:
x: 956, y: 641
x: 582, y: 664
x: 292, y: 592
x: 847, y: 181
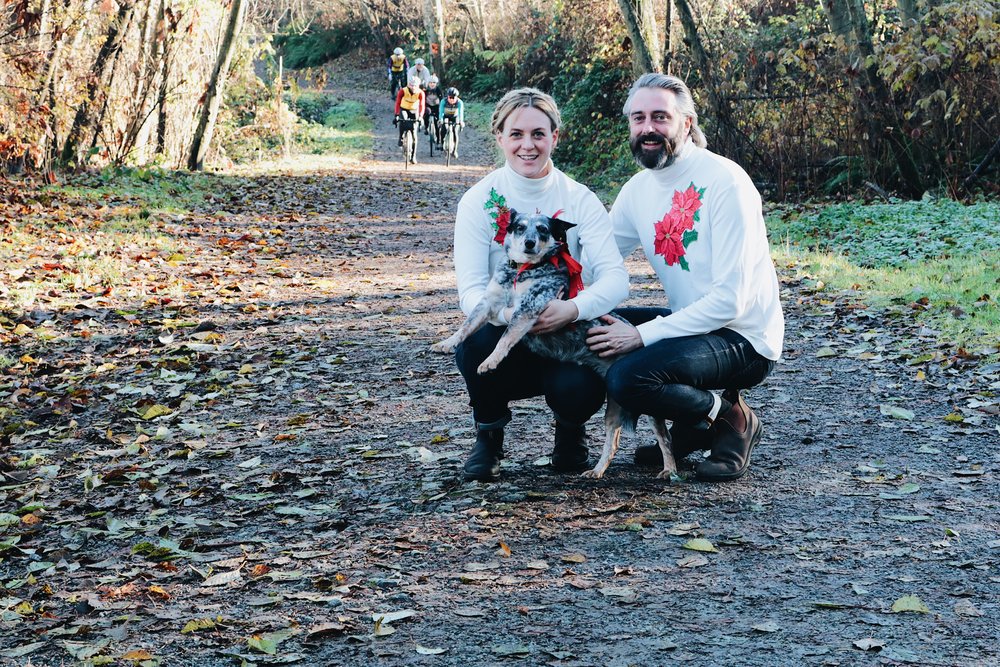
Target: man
x: 397, y: 68
x: 410, y: 104
x: 698, y: 218
x: 420, y: 71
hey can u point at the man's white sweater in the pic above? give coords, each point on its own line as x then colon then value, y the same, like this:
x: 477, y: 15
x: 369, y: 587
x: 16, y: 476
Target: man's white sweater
x: 712, y: 256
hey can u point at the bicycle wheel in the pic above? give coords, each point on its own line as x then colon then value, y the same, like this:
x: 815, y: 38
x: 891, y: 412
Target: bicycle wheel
x: 449, y: 137
x: 431, y: 133
x: 407, y: 148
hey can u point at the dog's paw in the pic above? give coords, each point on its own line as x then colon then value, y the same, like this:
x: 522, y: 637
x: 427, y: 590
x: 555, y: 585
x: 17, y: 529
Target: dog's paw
x: 444, y: 347
x: 592, y: 474
x: 490, y: 364
x: 666, y: 474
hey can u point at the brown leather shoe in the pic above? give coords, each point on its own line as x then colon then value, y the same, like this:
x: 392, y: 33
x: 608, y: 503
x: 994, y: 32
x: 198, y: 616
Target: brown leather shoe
x: 684, y: 440
x: 736, y: 434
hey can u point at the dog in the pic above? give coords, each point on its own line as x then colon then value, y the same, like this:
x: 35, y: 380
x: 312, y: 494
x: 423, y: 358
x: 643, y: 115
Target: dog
x: 537, y: 272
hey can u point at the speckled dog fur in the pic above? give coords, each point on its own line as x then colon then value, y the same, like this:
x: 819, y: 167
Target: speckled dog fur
x: 527, y: 283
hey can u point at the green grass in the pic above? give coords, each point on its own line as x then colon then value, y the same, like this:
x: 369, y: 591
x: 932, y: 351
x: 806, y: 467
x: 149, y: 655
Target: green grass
x: 345, y: 131
x: 939, y: 259
x: 152, y: 188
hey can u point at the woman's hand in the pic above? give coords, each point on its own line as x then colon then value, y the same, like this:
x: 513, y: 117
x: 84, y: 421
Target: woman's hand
x: 557, y: 314
x: 618, y: 337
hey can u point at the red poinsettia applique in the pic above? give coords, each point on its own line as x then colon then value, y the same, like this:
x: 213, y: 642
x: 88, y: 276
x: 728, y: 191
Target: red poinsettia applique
x: 497, y: 206
x: 675, y: 232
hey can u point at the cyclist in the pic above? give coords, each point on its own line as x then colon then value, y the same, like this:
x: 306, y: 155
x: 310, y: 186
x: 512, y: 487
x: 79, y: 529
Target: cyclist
x: 410, y: 105
x: 398, y: 65
x: 419, y: 70
x: 452, y: 113
x: 433, y: 95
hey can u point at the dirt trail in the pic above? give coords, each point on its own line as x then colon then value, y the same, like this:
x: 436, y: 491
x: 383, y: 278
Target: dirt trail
x: 331, y: 485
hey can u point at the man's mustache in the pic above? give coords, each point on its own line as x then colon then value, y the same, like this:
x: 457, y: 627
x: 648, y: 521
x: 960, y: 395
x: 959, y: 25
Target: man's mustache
x: 651, y: 136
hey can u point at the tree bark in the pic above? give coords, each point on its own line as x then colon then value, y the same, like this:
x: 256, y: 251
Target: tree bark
x: 637, y: 15
x: 81, y: 121
x: 434, y: 24
x: 213, y: 95
x: 668, y: 44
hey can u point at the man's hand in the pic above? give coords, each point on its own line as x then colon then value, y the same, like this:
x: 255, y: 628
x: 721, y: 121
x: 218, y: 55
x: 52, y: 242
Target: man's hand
x: 616, y: 338
x: 395, y: 121
x: 557, y: 314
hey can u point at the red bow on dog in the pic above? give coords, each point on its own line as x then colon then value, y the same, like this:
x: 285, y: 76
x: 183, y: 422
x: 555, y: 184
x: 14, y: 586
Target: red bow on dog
x: 573, y: 267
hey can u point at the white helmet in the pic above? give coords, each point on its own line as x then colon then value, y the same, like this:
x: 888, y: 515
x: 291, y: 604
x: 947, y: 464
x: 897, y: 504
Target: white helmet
x: 433, y: 79
x: 418, y: 61
x: 397, y: 51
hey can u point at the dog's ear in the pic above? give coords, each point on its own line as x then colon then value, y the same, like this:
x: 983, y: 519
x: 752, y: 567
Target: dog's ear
x: 513, y: 214
x: 559, y: 228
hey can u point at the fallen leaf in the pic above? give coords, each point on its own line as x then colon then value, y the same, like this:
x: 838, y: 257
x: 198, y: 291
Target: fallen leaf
x: 870, y: 644
x: 430, y: 651
x: 909, y: 603
x: 700, y: 544
x: 223, y: 578
x: 767, y: 626
x: 393, y: 616
x: 896, y: 412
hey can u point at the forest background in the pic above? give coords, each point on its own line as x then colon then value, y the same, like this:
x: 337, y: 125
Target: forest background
x: 816, y: 98
x: 871, y: 128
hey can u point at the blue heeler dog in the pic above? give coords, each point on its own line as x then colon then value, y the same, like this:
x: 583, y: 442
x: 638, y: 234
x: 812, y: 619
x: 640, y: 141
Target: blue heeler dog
x: 527, y: 283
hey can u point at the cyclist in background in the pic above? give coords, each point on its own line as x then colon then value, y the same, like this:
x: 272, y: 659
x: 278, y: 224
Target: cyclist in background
x: 398, y: 65
x: 452, y: 112
x: 410, y: 105
x: 433, y: 95
x: 419, y: 70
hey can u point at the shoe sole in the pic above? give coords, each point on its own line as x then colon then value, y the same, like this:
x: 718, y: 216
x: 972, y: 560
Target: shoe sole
x: 739, y: 473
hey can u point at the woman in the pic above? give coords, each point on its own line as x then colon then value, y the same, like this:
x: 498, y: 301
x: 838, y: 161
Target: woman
x: 526, y: 126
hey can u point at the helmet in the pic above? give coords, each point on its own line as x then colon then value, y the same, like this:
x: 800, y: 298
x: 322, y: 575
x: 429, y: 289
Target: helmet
x: 418, y: 61
x: 452, y: 92
x: 415, y: 81
x: 397, y: 51
x: 433, y: 79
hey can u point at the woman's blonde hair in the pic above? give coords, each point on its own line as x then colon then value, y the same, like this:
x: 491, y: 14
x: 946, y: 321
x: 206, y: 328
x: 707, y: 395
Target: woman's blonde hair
x: 524, y: 97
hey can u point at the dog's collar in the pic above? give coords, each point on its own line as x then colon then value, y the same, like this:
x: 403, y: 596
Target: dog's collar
x: 561, y: 259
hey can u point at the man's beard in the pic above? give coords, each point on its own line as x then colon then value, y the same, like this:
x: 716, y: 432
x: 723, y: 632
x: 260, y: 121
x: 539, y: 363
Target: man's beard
x: 661, y: 158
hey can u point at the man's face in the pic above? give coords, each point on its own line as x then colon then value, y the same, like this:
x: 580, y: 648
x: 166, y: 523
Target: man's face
x: 657, y: 131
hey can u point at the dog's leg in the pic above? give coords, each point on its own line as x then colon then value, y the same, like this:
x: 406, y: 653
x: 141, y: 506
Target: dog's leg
x: 516, y: 330
x: 613, y: 416
x: 477, y: 318
x: 663, y: 440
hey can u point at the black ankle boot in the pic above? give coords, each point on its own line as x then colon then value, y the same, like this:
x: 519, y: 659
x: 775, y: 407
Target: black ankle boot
x: 570, y: 451
x: 483, y: 463
x: 737, y: 432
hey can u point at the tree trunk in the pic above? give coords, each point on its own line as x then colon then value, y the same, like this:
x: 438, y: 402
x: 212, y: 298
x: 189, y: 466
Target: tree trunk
x: 637, y: 15
x: 163, y: 54
x: 875, y: 105
x: 372, y: 19
x: 112, y: 43
x: 213, y: 95
x: 106, y: 88
x: 437, y: 23
x: 668, y: 44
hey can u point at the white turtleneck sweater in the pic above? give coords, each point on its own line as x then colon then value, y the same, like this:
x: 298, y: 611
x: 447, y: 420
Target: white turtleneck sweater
x: 591, y: 241
x: 726, y: 278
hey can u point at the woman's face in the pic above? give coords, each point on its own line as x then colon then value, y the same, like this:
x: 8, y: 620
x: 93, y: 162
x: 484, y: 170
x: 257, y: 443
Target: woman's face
x: 527, y: 140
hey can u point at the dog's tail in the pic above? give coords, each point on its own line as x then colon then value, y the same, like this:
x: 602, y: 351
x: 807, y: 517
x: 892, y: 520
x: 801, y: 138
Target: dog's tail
x: 629, y: 422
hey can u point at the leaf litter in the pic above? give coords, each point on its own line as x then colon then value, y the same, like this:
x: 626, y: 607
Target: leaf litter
x: 242, y: 451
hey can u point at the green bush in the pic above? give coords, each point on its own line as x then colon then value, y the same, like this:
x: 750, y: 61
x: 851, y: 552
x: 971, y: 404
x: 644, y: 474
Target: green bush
x: 318, y: 46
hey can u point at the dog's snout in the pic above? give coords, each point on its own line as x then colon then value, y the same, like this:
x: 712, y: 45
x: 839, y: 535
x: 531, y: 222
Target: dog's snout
x: 529, y: 244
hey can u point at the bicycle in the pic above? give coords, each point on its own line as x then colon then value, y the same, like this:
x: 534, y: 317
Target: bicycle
x: 449, y: 140
x: 433, y: 126
x: 409, y: 123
